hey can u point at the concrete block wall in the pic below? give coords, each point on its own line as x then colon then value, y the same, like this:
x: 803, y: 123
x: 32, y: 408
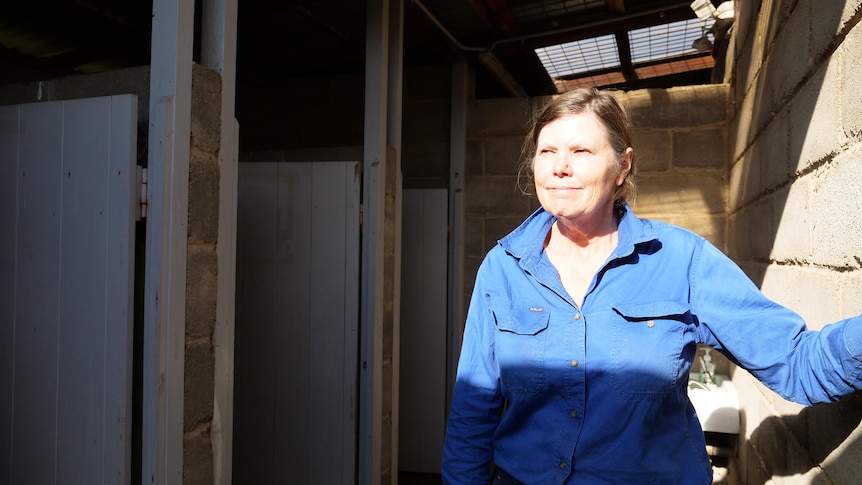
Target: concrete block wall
x: 794, y: 214
x: 680, y: 149
x: 201, y: 277
x: 493, y: 203
x: 425, y: 135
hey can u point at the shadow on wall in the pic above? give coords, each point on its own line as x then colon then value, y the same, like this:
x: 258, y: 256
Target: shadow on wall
x: 785, y: 120
x: 789, y: 127
x: 817, y: 437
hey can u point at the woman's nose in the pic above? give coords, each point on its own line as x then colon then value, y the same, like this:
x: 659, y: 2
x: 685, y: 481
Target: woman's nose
x: 561, y: 164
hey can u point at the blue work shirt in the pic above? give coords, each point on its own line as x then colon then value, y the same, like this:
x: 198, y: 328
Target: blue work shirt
x: 598, y: 394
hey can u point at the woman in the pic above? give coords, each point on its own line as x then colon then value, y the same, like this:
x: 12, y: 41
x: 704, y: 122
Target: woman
x: 584, y: 322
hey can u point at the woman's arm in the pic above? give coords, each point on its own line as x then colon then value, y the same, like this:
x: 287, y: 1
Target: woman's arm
x: 771, y: 341
x: 477, y: 402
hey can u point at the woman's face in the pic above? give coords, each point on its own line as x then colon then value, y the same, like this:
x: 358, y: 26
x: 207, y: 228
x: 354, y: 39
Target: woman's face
x: 575, y: 168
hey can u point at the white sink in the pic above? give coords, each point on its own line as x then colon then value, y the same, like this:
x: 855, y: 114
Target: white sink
x: 717, y: 405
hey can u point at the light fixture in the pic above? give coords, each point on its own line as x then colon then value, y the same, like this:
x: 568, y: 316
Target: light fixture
x: 703, y: 8
x: 702, y: 44
x: 724, y: 11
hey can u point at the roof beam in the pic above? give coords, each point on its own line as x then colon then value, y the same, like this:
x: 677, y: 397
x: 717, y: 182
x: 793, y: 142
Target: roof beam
x: 497, y: 16
x: 9, y: 56
x: 625, y: 54
x: 419, y: 21
x: 331, y: 29
x: 593, y: 29
x: 109, y: 11
x: 618, y: 6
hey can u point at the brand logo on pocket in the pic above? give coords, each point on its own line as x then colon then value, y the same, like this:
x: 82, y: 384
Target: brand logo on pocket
x: 537, y: 309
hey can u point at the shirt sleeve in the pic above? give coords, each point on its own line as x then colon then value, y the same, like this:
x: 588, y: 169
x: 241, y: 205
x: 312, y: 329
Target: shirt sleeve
x: 477, y: 402
x: 771, y: 341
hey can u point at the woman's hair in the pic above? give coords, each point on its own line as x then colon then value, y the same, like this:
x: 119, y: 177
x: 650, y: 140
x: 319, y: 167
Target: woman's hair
x: 610, y: 113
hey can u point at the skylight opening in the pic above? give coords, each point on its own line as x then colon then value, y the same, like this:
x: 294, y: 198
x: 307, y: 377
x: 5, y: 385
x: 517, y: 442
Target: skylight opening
x: 581, y: 56
x: 655, y: 51
x: 667, y: 40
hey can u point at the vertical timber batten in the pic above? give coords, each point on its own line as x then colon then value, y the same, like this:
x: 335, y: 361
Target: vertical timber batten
x: 457, y: 175
x: 218, y: 51
x: 167, y: 229
x: 373, y: 201
x: 394, y: 193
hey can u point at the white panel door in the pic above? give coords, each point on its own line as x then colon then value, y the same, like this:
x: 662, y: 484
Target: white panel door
x: 422, y: 404
x: 67, y: 218
x: 297, y: 320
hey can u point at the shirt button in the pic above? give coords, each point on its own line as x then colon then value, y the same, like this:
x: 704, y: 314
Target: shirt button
x: 577, y: 316
x: 575, y: 363
x: 562, y: 465
x: 650, y: 324
x: 574, y: 413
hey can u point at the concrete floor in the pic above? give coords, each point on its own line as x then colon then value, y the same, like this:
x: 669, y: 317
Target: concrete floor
x: 405, y: 478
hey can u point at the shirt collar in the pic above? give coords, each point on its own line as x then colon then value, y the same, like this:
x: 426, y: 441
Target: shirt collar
x: 526, y: 242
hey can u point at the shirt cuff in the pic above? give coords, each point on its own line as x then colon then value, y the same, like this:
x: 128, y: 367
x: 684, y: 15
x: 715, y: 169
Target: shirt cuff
x: 853, y: 337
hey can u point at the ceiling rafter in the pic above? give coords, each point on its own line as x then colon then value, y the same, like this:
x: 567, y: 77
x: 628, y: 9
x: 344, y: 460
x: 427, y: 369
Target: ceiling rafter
x: 596, y: 29
x: 625, y: 54
x: 618, y: 6
x: 327, y: 37
x: 28, y: 62
x: 420, y: 23
x: 109, y: 11
x: 497, y: 16
x: 329, y: 28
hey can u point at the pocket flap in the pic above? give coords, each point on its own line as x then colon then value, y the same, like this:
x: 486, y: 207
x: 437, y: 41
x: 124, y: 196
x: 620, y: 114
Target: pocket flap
x: 653, y: 309
x: 521, y: 321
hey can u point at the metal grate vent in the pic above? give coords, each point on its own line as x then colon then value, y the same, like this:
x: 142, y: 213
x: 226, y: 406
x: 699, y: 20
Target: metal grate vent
x: 580, y: 56
x: 654, y: 51
x: 667, y: 40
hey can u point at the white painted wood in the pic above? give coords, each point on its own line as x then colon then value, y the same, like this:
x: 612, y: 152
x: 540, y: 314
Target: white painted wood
x: 293, y: 347
x: 423, y: 329
x: 218, y: 51
x: 297, y: 323
x: 256, y: 305
x: 393, y: 190
x: 167, y: 232
x: 70, y: 277
x: 372, y: 280
x: 37, y: 260
x: 9, y: 126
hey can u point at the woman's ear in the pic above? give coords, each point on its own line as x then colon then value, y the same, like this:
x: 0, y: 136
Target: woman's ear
x: 625, y: 165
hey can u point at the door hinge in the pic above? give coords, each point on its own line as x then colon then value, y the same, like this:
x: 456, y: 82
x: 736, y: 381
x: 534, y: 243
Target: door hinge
x: 142, y: 193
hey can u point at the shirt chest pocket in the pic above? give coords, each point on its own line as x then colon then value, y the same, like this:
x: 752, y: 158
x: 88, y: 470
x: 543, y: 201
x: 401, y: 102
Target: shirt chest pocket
x: 520, y: 346
x: 648, y: 345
